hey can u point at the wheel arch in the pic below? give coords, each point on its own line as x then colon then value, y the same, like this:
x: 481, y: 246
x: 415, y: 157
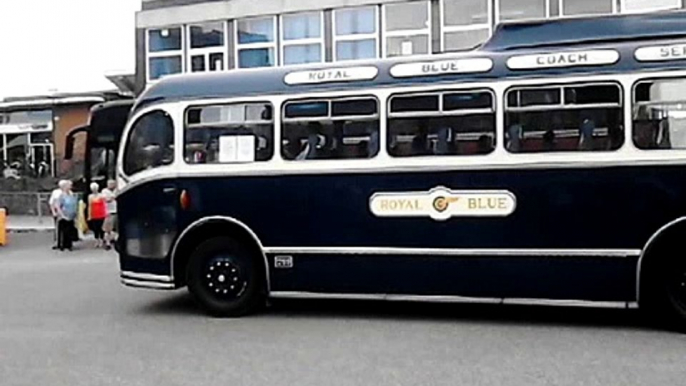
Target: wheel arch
x: 205, y: 228
x: 650, y: 251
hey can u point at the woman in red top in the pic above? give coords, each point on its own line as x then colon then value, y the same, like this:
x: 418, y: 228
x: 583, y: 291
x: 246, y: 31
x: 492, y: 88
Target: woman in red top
x: 97, y: 212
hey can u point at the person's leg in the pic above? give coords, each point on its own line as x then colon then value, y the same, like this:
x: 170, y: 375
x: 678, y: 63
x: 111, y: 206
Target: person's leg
x: 61, y: 234
x: 107, y: 228
x: 55, y: 233
x: 70, y: 230
x: 98, y: 233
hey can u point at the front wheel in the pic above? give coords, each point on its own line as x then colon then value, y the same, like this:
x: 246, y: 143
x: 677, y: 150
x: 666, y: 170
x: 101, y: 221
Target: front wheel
x: 225, y: 278
x: 665, y: 298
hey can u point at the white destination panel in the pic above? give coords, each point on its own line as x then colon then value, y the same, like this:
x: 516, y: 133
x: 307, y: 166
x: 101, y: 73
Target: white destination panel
x: 563, y: 59
x: 440, y: 67
x: 347, y: 74
x: 442, y: 204
x: 661, y: 53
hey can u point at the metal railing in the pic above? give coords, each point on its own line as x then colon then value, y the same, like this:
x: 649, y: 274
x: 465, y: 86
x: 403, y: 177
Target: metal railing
x: 25, y: 203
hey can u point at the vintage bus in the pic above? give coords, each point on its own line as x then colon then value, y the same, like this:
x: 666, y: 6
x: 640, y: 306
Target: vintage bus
x: 548, y: 166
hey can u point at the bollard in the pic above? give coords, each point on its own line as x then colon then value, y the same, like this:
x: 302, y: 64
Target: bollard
x: 3, y: 226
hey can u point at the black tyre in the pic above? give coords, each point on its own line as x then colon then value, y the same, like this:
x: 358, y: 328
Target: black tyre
x: 226, y: 278
x: 665, y: 297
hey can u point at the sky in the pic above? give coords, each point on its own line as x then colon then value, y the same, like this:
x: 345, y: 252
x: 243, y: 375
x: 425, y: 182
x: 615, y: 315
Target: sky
x: 64, y: 45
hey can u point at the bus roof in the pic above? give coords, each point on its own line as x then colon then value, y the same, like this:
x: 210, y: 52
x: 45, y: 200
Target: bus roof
x: 612, y: 42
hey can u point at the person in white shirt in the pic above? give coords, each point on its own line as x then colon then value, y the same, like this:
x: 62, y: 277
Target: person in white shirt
x: 53, y: 202
x: 110, y: 224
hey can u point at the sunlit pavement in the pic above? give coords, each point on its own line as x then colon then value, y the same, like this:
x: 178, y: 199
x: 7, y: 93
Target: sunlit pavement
x: 66, y: 320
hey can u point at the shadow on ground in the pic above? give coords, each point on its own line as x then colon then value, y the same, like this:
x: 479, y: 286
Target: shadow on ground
x: 181, y: 304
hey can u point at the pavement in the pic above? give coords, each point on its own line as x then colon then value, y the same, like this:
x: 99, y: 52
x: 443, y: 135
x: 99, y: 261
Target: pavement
x: 66, y: 320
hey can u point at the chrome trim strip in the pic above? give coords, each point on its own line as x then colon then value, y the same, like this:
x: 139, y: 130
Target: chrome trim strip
x: 146, y: 277
x: 226, y: 219
x: 147, y: 284
x: 466, y: 252
x: 648, y: 244
x: 453, y: 299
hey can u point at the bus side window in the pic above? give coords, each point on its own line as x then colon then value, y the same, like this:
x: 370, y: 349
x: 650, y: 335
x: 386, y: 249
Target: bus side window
x: 150, y: 143
x: 237, y: 132
x: 441, y: 123
x: 584, y: 117
x: 659, y: 114
x: 337, y: 128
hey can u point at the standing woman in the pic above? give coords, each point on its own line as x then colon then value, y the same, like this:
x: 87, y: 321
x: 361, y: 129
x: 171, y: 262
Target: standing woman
x: 97, y: 211
x: 67, y: 209
x: 110, y: 225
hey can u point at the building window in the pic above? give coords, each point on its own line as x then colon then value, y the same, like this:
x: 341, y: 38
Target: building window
x: 256, y: 42
x: 517, y: 10
x: 442, y: 123
x: 587, y: 7
x: 344, y: 128
x: 302, y: 38
x: 659, y: 114
x: 241, y: 132
x: 466, y: 24
x: 165, y: 52
x: 636, y: 6
x: 585, y: 117
x: 207, y: 47
x: 355, y: 33
x: 407, y: 28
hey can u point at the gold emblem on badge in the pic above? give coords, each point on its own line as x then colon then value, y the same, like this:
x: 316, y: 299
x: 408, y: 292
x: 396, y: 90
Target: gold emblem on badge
x: 441, y: 203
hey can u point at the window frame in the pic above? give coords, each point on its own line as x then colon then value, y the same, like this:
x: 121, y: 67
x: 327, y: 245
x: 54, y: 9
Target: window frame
x: 283, y: 121
x: 335, y: 38
x: 445, y: 29
x: 561, y: 106
x: 385, y: 34
x: 228, y: 103
x: 283, y: 42
x: 125, y: 144
x: 635, y: 84
x: 440, y: 93
x: 207, y: 51
x: 237, y: 46
x: 164, y: 54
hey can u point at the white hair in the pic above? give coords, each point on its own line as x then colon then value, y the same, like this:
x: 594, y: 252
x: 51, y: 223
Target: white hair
x: 63, y: 184
x: 94, y: 186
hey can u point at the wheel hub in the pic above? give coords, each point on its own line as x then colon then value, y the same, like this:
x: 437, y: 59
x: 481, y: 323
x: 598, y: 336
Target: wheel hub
x: 224, y: 278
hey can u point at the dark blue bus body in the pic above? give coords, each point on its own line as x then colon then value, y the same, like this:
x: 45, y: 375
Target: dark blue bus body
x: 578, y: 231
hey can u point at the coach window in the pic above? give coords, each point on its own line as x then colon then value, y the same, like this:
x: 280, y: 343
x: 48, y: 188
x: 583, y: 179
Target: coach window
x: 345, y: 128
x: 150, y: 143
x: 228, y: 133
x: 585, y: 117
x: 659, y: 114
x: 441, y: 123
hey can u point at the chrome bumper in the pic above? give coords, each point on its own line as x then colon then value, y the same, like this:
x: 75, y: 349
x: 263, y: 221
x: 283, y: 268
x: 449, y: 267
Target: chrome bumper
x: 146, y: 280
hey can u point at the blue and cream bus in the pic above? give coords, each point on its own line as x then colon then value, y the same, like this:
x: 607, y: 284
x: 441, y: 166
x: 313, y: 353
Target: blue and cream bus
x: 548, y: 166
